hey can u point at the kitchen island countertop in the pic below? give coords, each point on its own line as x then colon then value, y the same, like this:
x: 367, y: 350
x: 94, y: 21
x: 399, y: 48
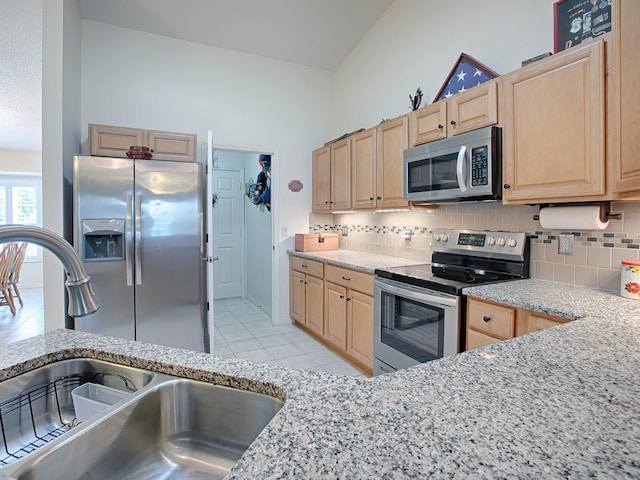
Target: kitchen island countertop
x: 559, y: 403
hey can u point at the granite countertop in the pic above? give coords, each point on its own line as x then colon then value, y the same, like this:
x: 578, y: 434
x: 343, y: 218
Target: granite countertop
x: 553, y: 298
x: 559, y: 403
x: 366, y: 262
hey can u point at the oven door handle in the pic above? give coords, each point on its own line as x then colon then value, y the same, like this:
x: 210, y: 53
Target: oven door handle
x: 418, y: 294
x: 462, y: 168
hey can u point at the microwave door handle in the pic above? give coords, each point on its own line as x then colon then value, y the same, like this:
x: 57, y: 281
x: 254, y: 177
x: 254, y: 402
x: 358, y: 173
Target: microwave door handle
x: 461, y: 168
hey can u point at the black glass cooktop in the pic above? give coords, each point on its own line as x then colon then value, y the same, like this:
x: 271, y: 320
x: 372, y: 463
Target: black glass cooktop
x: 442, y: 278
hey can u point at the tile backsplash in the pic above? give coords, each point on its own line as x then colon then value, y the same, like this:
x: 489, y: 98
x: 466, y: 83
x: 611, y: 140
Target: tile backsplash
x: 595, y: 261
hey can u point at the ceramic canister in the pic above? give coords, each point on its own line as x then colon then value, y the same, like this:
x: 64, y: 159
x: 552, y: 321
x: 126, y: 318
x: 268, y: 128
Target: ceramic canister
x: 630, y: 279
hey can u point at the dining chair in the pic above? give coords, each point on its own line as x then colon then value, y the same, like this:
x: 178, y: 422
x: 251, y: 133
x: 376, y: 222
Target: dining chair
x: 14, y: 276
x: 7, y: 257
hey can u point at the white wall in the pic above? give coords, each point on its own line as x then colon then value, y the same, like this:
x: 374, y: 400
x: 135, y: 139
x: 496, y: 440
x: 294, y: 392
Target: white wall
x: 416, y: 43
x: 135, y: 79
x: 60, y: 137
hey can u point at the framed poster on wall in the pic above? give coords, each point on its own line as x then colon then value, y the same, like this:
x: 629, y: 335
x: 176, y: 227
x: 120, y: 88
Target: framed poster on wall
x: 578, y: 20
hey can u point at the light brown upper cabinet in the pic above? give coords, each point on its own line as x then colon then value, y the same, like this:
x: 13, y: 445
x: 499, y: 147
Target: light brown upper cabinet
x: 113, y: 141
x: 392, y: 139
x: 376, y: 165
x: 363, y: 169
x: 321, y: 183
x: 341, y: 175
x: 554, y: 128
x: 331, y: 177
x: 624, y: 108
x: 178, y: 147
x: 462, y: 112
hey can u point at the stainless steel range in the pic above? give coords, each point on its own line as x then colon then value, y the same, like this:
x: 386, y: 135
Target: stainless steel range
x: 419, y: 309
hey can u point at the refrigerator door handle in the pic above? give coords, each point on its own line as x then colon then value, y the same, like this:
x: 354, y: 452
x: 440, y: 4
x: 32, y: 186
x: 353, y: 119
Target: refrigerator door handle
x: 128, y: 241
x: 138, y: 240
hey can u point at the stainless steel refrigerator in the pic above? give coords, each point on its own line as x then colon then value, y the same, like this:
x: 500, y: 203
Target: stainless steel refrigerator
x: 138, y: 229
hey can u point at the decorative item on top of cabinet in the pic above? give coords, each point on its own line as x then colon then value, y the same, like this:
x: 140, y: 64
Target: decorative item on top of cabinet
x: 114, y: 141
x: 490, y: 322
x: 554, y: 128
x: 465, y: 74
x: 623, y: 115
x: 469, y: 110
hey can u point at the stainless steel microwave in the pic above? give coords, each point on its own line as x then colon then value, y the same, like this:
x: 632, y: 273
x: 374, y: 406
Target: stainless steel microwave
x: 464, y: 167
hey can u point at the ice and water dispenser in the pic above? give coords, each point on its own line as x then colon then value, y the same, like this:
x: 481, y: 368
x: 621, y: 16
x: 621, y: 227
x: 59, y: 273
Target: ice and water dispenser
x: 103, y: 239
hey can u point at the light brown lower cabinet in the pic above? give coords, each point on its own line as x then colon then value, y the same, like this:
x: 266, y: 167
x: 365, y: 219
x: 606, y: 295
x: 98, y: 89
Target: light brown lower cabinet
x: 306, y: 293
x: 338, y: 308
x: 489, y: 322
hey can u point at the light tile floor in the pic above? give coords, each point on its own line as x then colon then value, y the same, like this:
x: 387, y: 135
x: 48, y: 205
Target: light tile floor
x: 242, y: 330
x: 28, y: 320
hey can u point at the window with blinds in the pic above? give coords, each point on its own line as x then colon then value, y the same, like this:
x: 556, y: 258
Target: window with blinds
x: 21, y: 203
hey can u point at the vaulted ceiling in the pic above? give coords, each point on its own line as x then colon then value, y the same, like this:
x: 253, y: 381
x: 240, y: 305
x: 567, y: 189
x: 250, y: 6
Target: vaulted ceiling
x: 315, y: 33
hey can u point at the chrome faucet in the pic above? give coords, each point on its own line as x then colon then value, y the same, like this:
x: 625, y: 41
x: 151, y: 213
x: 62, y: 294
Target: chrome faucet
x: 82, y: 300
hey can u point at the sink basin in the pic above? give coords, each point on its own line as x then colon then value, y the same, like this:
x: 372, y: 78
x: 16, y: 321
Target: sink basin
x: 177, y: 429
x: 37, y: 408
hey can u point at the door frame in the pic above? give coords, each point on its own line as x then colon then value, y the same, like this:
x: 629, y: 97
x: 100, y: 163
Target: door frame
x: 275, y: 217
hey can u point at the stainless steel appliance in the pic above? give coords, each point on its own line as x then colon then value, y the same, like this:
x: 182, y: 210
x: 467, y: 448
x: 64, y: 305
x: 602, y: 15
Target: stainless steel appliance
x: 462, y: 167
x: 138, y: 230
x: 419, y: 310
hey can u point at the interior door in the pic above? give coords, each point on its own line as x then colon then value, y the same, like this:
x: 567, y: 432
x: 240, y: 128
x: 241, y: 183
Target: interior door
x: 228, y: 221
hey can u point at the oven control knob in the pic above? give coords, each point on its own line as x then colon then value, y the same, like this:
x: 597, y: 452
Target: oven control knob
x: 491, y: 241
x: 512, y: 242
x: 445, y: 238
x: 437, y: 237
x: 501, y: 242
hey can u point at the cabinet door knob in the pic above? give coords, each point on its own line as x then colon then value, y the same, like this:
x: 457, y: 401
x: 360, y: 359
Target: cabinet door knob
x: 486, y: 319
x: 379, y: 198
x: 506, y: 186
x: 327, y: 202
x: 370, y: 198
x: 453, y: 122
x: 440, y: 126
x: 341, y: 297
x: 348, y: 299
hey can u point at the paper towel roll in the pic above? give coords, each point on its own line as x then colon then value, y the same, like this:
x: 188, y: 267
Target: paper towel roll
x: 572, y: 218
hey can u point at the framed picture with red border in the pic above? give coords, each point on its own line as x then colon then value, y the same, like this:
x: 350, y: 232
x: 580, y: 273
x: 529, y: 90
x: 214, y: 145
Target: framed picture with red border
x: 575, y: 21
x: 466, y: 73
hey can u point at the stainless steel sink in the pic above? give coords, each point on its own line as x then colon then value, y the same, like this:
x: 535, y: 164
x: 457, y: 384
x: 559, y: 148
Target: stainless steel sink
x: 178, y: 428
x: 36, y: 408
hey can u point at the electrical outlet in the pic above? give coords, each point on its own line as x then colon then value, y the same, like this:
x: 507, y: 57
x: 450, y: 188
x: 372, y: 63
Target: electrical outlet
x: 345, y: 231
x: 284, y: 232
x: 565, y: 244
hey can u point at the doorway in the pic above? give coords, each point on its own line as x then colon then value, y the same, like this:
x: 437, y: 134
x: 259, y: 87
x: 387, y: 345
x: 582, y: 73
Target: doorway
x: 242, y: 231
